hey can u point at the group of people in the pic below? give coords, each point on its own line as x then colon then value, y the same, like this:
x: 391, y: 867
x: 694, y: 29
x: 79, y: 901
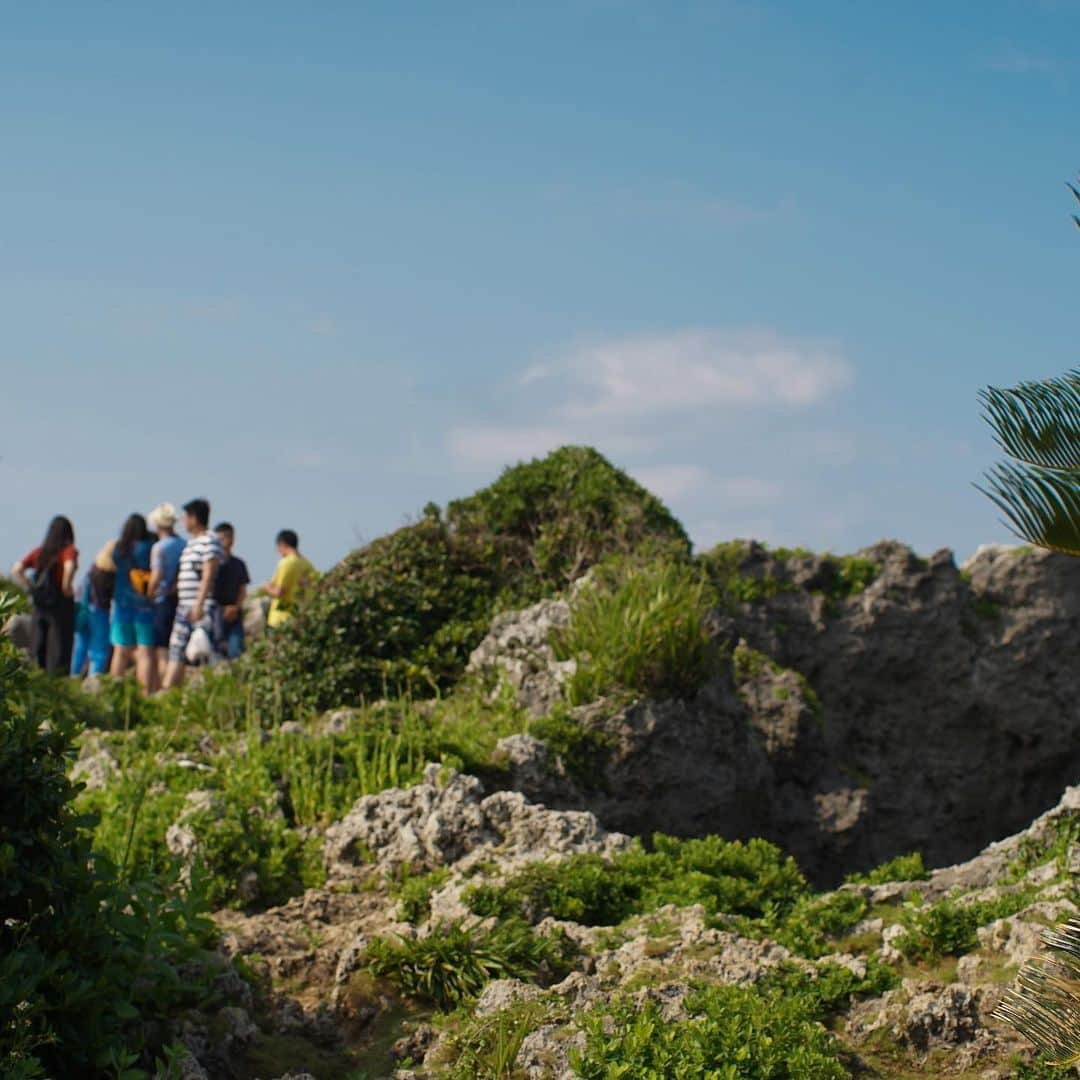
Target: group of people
x: 151, y: 600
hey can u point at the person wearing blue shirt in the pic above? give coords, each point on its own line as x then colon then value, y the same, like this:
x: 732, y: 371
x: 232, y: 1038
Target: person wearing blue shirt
x: 131, y: 629
x: 164, y: 568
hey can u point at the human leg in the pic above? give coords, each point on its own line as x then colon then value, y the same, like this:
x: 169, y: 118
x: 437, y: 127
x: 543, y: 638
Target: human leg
x: 145, y: 667
x: 122, y: 636
x: 65, y: 636
x: 234, y: 640
x: 181, y: 635
x: 100, y: 648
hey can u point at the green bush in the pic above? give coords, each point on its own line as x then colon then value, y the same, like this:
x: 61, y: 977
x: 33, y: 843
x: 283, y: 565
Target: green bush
x: 732, y: 1033
x: 581, y: 749
x: 88, y: 960
x: 641, y: 629
x: 814, y: 922
x: 753, y: 879
x: 454, y: 963
x: 948, y: 927
x: 12, y: 592
x: 414, y: 891
x: 902, y: 868
x: 265, y: 790
x: 744, y: 572
x: 405, y: 611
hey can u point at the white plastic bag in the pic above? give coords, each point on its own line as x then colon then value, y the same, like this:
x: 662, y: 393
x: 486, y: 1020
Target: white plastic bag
x: 200, y: 649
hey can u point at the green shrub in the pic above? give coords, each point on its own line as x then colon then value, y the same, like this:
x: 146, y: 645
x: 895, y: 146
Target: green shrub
x: 414, y: 891
x: 753, y: 879
x: 17, y: 601
x: 88, y: 961
x: 641, y: 629
x: 487, y: 1047
x: 749, y: 573
x: 948, y: 927
x: 732, y: 1033
x: 405, y: 611
x: 815, y: 921
x: 581, y: 749
x: 266, y: 789
x: 453, y: 963
x: 902, y: 868
x: 728, y: 567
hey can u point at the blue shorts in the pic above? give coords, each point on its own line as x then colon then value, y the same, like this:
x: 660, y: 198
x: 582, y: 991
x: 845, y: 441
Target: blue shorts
x: 126, y: 632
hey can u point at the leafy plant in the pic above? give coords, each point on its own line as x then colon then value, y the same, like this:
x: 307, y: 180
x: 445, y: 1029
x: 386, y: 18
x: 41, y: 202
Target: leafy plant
x: 87, y: 959
x: 453, y: 963
x: 582, y: 749
x: 732, y: 1033
x: 404, y: 612
x: 753, y: 879
x: 414, y: 893
x: 640, y: 629
x: 1038, y: 425
x: 948, y: 927
x: 902, y: 868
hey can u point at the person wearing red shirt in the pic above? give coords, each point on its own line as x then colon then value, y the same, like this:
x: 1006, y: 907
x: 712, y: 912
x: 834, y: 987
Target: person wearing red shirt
x: 52, y: 591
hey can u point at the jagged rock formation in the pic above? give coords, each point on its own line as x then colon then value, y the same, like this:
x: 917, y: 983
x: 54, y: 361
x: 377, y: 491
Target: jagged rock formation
x: 934, y: 710
x: 936, y: 1022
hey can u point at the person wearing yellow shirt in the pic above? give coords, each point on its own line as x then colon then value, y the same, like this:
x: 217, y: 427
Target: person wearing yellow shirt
x: 292, y: 579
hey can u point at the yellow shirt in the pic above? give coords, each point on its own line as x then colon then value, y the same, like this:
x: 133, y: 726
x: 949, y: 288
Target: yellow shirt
x: 294, y: 575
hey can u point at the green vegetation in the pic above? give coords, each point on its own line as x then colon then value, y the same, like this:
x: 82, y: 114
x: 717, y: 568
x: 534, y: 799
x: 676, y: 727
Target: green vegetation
x: 88, y: 955
x: 414, y: 893
x: 731, y: 1034
x: 454, y: 963
x: 748, y: 573
x: 752, y: 879
x: 246, y: 794
x: 726, y: 567
x: 640, y: 629
x: 1063, y: 835
x: 581, y: 749
x: 902, y: 868
x: 403, y: 613
x: 486, y: 1048
x: 17, y: 600
x: 948, y: 927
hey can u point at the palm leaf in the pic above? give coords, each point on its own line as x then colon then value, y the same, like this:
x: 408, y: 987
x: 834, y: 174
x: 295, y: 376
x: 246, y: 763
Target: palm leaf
x: 1040, y: 506
x: 1037, y: 423
x: 1044, y: 1003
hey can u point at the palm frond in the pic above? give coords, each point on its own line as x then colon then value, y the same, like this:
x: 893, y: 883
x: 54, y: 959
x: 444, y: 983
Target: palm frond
x: 1073, y: 189
x: 1044, y: 1002
x: 1037, y: 422
x: 1040, y: 506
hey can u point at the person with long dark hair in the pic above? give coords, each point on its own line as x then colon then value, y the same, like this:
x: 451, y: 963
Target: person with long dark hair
x: 52, y: 591
x: 131, y: 630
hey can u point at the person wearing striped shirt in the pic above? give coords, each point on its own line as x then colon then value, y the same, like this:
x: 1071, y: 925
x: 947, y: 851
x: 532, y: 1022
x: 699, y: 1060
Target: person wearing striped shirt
x: 195, y: 604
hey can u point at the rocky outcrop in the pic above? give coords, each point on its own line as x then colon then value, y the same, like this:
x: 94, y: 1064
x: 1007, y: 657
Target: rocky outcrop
x: 933, y: 710
x: 447, y: 820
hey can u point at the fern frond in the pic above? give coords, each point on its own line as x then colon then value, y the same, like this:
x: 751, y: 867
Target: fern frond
x: 1040, y: 507
x: 1044, y: 1002
x: 1037, y: 423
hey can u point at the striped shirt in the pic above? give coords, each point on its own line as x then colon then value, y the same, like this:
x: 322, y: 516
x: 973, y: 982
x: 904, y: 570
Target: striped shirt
x: 197, y: 550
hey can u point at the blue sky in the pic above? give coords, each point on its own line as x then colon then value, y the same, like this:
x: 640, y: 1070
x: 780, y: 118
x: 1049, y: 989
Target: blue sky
x: 324, y: 263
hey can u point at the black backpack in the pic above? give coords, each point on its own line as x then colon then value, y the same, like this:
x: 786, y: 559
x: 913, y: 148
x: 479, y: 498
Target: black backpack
x: 46, y: 592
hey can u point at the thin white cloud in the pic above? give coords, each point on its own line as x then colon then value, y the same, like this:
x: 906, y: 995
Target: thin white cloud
x: 700, y: 369
x: 672, y: 481
x: 495, y: 445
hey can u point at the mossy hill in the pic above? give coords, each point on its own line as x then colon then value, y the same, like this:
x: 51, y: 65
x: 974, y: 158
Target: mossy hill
x: 403, y: 613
